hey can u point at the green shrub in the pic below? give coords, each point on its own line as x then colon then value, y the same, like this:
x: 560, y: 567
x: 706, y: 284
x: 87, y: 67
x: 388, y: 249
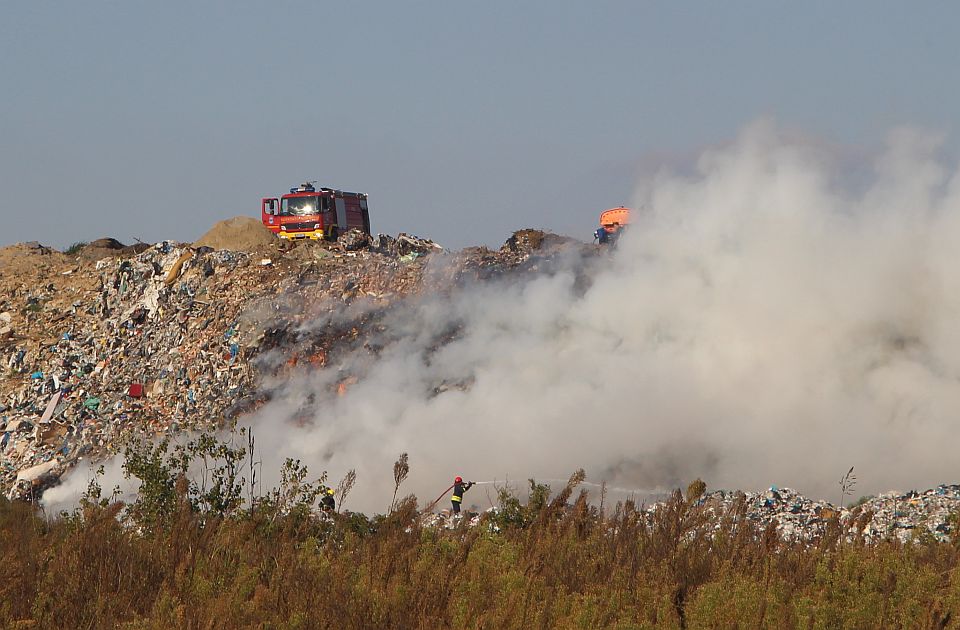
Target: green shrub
x: 75, y: 248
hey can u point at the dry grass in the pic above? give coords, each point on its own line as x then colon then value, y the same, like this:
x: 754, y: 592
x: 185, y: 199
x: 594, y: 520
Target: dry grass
x: 564, y: 565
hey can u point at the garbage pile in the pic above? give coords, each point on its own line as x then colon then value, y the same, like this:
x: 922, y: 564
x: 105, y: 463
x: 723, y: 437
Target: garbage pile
x: 528, y: 241
x: 142, y: 344
x: 526, y: 251
x: 892, y: 515
x: 904, y: 517
x: 447, y: 520
x: 115, y: 341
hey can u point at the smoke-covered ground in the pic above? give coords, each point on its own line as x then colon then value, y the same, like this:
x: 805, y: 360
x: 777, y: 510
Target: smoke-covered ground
x: 762, y: 323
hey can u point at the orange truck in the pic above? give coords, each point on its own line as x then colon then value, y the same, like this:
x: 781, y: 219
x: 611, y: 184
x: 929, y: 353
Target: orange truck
x: 612, y: 224
x: 315, y: 213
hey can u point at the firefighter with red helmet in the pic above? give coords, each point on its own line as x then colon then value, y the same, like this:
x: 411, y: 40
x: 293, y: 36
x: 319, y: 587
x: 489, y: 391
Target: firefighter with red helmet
x: 459, y: 487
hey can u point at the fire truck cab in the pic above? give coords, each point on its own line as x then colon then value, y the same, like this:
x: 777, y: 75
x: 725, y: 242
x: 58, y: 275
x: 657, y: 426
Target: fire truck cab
x: 308, y: 212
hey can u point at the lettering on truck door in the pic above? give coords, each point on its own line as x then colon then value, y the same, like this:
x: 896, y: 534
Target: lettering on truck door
x: 341, y: 215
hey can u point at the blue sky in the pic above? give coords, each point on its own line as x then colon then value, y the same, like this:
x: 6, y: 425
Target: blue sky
x: 463, y: 121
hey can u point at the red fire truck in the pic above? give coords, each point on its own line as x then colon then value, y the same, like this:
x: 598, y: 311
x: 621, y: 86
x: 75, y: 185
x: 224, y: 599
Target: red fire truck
x: 316, y: 213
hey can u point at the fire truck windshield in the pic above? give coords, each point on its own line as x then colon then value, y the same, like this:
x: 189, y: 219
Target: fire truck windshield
x: 298, y: 206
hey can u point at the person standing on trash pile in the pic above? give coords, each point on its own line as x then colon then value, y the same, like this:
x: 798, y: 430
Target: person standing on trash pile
x: 458, y: 489
x: 328, y: 503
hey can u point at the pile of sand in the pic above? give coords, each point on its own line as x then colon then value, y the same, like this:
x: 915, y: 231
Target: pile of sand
x: 239, y: 234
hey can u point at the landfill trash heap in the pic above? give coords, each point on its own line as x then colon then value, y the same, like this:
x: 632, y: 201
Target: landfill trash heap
x: 114, y: 342
x: 902, y: 516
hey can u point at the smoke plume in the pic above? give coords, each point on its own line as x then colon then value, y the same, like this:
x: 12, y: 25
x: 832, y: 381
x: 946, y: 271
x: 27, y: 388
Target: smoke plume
x: 772, y: 316
x: 764, y: 321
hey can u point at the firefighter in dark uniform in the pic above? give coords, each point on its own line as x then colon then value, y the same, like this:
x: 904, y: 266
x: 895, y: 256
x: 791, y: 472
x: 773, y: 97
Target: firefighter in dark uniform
x: 327, y: 502
x: 458, y: 489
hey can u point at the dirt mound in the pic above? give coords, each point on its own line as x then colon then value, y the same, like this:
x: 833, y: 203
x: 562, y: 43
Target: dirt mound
x: 307, y: 250
x: 528, y: 240
x: 21, y: 258
x: 106, y: 243
x: 239, y: 234
x: 107, y: 247
x: 28, y: 273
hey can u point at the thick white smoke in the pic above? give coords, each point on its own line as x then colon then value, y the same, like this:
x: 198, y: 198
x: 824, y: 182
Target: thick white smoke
x: 760, y: 324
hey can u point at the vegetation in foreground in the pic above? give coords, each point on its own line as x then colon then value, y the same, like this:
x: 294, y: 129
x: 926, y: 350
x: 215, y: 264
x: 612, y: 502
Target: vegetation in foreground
x: 208, y: 554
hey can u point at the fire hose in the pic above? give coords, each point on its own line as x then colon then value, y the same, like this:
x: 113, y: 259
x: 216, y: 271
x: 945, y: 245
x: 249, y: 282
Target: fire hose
x: 444, y: 493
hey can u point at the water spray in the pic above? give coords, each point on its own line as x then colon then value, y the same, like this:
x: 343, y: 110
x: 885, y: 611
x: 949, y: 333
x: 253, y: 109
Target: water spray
x: 618, y: 490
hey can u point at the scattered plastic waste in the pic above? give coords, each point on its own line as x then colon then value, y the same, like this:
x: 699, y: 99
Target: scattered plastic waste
x: 164, y: 338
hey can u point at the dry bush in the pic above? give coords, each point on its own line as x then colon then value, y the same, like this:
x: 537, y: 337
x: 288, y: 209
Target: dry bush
x: 559, y: 564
